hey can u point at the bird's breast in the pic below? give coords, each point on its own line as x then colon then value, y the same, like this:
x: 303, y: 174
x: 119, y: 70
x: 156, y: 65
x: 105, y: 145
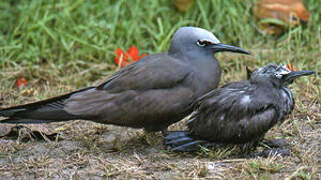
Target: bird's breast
x: 288, y: 101
x: 206, y: 77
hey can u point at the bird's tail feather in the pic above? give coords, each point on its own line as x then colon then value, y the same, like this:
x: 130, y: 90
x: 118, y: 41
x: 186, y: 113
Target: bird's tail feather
x: 26, y: 121
x: 49, y: 110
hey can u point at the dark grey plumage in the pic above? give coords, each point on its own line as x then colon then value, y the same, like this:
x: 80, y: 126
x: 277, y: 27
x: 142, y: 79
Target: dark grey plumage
x: 239, y: 112
x: 152, y: 93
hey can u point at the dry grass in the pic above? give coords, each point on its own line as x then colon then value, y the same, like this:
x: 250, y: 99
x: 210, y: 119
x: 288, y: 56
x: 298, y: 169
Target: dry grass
x: 89, y: 150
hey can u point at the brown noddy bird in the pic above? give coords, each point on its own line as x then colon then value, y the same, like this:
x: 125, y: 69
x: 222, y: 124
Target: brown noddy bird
x: 239, y: 112
x: 152, y: 93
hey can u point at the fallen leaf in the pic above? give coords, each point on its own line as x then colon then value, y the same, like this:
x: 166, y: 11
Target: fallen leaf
x: 183, y: 5
x: 276, y: 15
x: 27, y: 132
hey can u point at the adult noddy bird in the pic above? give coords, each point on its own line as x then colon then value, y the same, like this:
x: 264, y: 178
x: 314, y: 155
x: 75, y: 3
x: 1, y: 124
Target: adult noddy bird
x: 152, y: 93
x: 239, y: 112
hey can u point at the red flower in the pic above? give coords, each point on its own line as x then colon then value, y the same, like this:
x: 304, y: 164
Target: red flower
x: 21, y: 82
x: 124, y: 58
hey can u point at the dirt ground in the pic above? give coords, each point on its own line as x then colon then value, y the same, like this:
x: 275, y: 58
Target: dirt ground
x: 86, y: 150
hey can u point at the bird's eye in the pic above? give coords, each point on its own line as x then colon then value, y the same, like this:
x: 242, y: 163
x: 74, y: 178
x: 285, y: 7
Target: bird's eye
x: 203, y: 43
x: 277, y: 75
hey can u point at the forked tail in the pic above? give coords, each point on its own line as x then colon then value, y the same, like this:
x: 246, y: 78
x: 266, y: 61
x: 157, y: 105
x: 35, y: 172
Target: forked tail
x: 46, y: 111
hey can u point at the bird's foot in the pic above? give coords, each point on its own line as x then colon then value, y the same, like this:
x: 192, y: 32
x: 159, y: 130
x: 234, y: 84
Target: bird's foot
x: 276, y: 143
x: 179, y: 141
x: 268, y: 152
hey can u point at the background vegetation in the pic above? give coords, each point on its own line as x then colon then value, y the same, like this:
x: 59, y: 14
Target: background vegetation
x: 61, y: 45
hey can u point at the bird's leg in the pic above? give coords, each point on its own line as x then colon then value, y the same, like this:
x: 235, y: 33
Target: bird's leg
x: 248, y: 147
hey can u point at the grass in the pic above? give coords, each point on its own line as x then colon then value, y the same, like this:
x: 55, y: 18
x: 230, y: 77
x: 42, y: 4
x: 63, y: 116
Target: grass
x: 62, y: 45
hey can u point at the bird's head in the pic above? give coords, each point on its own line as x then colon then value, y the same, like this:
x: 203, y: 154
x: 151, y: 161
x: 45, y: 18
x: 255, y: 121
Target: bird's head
x: 278, y: 75
x: 198, y: 41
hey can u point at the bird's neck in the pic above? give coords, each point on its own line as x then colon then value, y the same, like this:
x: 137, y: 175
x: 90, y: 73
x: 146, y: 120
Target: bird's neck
x: 208, y: 71
x: 266, y: 83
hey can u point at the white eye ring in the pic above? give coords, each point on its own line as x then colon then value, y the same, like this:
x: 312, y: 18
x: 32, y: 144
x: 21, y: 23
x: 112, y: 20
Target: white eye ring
x: 201, y: 43
x: 279, y: 76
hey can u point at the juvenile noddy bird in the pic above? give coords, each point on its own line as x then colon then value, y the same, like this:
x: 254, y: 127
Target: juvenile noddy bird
x: 239, y: 112
x: 152, y: 93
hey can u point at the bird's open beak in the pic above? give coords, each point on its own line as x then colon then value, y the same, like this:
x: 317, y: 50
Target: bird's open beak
x: 220, y: 47
x: 295, y: 74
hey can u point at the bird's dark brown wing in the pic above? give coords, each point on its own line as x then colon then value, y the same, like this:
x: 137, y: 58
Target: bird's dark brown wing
x: 147, y: 93
x: 235, y: 113
x: 158, y: 71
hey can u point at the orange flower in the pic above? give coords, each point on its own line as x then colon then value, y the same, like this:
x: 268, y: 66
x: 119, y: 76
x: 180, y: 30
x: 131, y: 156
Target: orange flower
x: 124, y: 58
x: 291, y: 68
x: 21, y: 82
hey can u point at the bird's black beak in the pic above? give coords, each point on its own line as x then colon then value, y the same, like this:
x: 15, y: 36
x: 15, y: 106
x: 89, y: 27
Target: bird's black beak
x: 220, y: 47
x: 295, y: 74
